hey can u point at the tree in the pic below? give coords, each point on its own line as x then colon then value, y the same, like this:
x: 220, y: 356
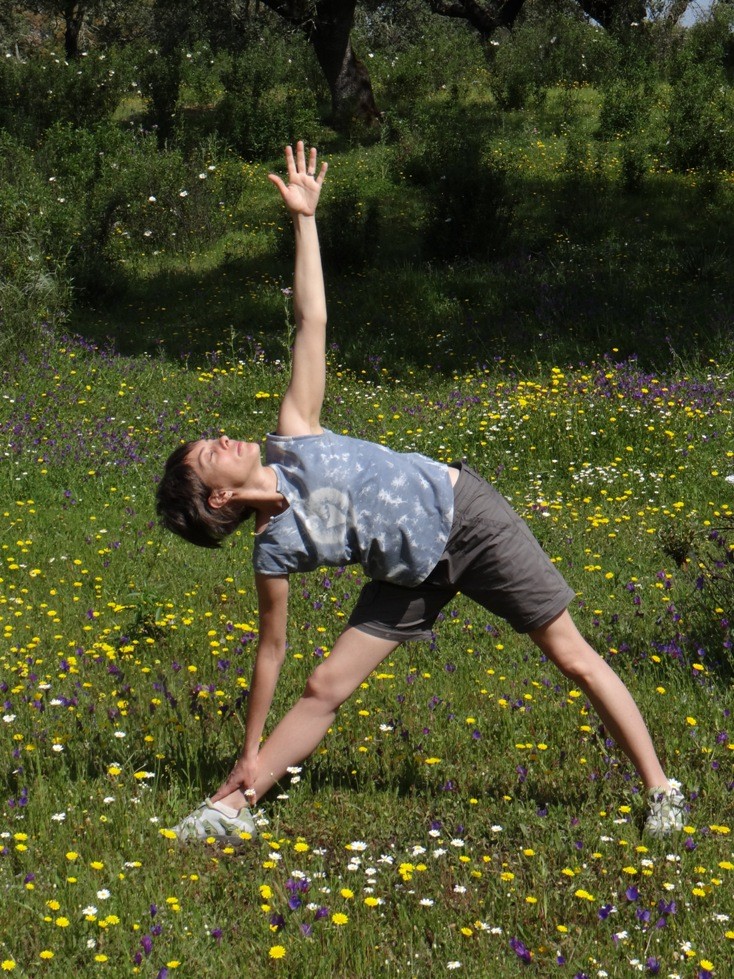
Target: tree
x: 161, y: 77
x: 111, y: 19
x: 328, y: 26
x: 486, y: 17
x: 667, y: 10
x: 489, y: 15
x: 73, y: 13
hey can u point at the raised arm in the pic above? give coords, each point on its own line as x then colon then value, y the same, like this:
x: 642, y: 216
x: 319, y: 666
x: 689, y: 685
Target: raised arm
x: 300, y: 409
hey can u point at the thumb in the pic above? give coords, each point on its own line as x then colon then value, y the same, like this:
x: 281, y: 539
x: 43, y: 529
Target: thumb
x: 275, y: 179
x: 227, y: 788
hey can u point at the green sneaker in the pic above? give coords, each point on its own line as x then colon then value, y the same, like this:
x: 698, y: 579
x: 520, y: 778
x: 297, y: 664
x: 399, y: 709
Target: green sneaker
x: 666, y: 810
x: 212, y: 820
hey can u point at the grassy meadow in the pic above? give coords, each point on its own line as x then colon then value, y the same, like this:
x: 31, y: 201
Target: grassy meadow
x: 466, y: 812
x: 571, y: 338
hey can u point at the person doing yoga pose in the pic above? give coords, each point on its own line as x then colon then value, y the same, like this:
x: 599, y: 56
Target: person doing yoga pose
x: 422, y: 531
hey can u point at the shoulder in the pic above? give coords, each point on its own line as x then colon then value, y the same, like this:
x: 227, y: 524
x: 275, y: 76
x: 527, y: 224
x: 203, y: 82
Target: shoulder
x: 280, y: 446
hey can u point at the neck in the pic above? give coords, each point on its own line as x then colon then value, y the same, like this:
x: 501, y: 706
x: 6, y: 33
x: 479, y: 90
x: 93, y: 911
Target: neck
x: 263, y: 495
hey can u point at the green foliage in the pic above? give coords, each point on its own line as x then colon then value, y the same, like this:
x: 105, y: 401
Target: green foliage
x: 268, y: 99
x: 542, y: 206
x: 700, y: 121
x: 34, y: 285
x: 709, y: 42
x: 546, y: 49
x: 624, y: 110
x: 201, y: 83
x: 700, y: 117
x: 468, y: 195
x: 350, y: 225
x: 389, y: 28
x: 36, y: 94
x: 634, y: 164
x: 444, y: 58
x: 127, y: 200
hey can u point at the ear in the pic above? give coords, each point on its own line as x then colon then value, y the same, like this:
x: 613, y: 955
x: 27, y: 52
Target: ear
x: 219, y: 498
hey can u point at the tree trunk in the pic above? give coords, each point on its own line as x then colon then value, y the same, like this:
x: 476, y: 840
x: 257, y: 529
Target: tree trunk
x: 328, y: 24
x: 348, y: 80
x: 73, y: 19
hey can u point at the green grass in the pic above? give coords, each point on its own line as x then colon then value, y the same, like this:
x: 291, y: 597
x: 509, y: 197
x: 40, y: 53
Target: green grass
x: 466, y: 798
x: 466, y: 812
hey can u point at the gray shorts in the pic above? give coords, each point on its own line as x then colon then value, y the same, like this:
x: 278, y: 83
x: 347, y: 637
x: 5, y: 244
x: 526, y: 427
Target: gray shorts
x: 491, y: 557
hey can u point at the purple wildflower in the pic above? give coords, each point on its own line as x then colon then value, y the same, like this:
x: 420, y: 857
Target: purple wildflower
x: 521, y: 950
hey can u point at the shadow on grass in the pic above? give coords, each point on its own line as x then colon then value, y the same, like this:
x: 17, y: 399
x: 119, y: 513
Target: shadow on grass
x: 586, y: 268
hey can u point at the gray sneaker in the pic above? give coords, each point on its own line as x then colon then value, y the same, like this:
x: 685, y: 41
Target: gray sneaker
x: 212, y: 820
x: 666, y: 810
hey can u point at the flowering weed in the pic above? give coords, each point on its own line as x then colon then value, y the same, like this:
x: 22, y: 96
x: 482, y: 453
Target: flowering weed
x: 466, y: 812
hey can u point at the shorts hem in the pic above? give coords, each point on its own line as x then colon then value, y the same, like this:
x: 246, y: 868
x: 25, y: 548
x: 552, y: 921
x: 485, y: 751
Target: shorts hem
x: 546, y: 616
x: 385, y: 632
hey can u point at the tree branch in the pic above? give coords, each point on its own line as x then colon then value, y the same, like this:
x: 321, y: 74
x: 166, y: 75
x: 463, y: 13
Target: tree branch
x: 485, y: 17
x: 611, y: 12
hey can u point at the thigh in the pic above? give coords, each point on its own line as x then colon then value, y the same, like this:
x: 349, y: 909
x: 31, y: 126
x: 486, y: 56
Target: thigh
x: 353, y: 657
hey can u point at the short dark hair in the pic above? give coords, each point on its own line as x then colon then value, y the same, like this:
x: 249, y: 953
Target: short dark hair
x: 182, y: 503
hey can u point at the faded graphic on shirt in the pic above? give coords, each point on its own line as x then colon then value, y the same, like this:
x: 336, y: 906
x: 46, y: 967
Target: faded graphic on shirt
x: 355, y: 502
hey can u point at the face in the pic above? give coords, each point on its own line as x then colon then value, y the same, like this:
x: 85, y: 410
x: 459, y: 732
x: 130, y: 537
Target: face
x: 224, y: 465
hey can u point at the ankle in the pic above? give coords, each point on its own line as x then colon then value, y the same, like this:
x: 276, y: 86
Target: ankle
x: 665, y: 787
x: 235, y: 800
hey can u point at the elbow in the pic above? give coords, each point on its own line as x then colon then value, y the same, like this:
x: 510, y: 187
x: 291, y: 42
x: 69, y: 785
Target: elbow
x: 312, y: 323
x: 273, y: 652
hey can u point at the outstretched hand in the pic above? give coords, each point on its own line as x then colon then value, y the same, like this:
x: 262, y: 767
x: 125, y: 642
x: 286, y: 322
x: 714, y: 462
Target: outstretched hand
x: 241, y: 778
x: 301, y: 193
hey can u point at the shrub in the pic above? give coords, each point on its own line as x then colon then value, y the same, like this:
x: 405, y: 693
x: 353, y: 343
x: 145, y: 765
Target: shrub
x: 349, y: 225
x: 469, y: 204
x: 269, y: 100
x: 34, y: 286
x: 201, y: 81
x: 624, y: 109
x: 700, y: 121
x: 126, y: 199
x: 700, y: 118
x: 549, y: 48
x: 709, y: 42
x: 36, y: 94
x: 446, y: 56
x: 633, y: 166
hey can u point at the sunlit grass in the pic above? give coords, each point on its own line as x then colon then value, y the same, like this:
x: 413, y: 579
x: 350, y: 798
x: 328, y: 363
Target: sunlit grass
x: 466, y: 812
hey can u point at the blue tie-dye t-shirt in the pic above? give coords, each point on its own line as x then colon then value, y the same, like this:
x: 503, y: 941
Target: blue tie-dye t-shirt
x: 355, y: 502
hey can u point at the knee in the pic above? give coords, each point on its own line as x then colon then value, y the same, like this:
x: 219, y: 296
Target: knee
x: 573, y: 656
x: 321, y: 690
x: 567, y: 649
x: 577, y: 663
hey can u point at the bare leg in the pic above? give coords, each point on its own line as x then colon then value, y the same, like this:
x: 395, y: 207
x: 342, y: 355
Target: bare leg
x: 561, y: 641
x: 354, y: 656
